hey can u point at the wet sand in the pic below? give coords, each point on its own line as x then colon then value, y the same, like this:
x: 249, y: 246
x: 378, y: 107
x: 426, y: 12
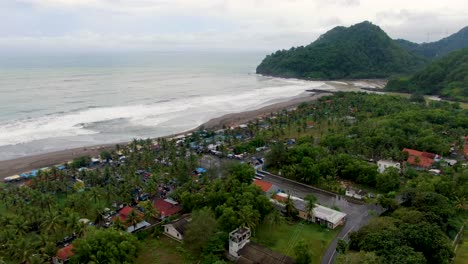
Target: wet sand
x: 24, y: 164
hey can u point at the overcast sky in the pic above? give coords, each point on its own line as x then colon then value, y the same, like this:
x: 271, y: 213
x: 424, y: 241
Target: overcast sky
x: 51, y: 25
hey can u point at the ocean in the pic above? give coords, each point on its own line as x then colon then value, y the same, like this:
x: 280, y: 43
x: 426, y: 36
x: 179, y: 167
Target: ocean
x: 56, y: 102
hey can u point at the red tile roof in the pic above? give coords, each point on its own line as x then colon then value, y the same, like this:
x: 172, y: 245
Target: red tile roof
x: 425, y: 158
x: 280, y: 198
x: 65, y: 253
x: 166, y: 208
x: 265, y: 186
x: 124, y: 212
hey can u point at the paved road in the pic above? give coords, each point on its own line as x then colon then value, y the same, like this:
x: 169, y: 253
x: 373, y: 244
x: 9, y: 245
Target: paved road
x: 357, y: 213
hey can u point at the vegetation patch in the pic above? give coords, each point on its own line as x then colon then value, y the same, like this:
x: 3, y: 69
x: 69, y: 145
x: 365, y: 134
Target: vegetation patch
x: 462, y: 251
x: 284, y: 236
x: 164, y: 250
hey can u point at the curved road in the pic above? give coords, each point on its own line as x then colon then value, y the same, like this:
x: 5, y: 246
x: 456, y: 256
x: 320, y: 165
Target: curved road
x: 357, y: 213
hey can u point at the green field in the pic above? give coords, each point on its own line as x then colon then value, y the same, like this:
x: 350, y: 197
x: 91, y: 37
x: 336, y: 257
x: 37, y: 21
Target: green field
x: 462, y: 250
x: 283, y: 237
x: 164, y: 250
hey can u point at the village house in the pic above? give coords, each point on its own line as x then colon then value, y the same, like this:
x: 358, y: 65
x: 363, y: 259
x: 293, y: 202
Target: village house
x: 123, y: 217
x: 421, y: 160
x: 167, y: 207
x: 176, y: 229
x: 244, y: 251
x: 63, y: 255
x: 384, y: 164
x: 268, y: 188
x: 320, y: 214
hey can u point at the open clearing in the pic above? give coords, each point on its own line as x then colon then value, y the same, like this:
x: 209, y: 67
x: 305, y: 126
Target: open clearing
x: 284, y: 236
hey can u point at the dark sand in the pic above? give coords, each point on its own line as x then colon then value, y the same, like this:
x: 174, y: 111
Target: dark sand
x: 24, y: 164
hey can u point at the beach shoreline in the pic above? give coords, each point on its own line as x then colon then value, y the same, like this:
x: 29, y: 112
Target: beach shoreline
x: 28, y: 163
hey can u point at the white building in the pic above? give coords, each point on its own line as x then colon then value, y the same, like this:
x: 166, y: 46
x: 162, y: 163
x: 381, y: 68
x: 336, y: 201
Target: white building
x: 320, y: 214
x: 384, y: 164
x: 237, y: 240
x: 176, y: 229
x: 328, y: 216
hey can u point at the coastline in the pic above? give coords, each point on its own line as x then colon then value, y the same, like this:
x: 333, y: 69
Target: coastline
x: 27, y: 163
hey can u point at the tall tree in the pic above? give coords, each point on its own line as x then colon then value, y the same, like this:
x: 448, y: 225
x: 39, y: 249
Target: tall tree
x: 201, y: 228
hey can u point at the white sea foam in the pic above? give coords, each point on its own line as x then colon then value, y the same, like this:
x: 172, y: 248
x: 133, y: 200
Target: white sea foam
x: 150, y: 115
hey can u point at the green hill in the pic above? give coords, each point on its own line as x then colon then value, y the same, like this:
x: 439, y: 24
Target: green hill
x: 439, y: 48
x: 447, y: 76
x: 360, y: 51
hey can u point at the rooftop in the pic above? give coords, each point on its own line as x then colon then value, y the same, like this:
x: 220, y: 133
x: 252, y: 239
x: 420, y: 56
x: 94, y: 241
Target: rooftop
x: 425, y: 158
x: 166, y: 208
x: 65, y: 253
x: 181, y: 224
x: 328, y: 214
x: 124, y: 212
x: 265, y: 186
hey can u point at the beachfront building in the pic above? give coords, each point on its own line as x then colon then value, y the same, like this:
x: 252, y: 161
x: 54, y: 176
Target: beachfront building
x: 384, y: 164
x: 13, y: 178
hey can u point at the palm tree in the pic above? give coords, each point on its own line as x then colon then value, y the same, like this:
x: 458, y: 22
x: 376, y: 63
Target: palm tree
x: 291, y: 210
x: 273, y: 218
x: 19, y: 226
x: 311, y: 204
x: 249, y: 217
x: 133, y: 219
x: 150, y: 211
x: 118, y: 224
x: 461, y: 203
x: 52, y: 223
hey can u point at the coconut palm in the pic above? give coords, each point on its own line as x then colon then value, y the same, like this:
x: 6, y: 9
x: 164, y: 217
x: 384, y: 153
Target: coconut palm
x: 133, y: 219
x: 311, y: 204
x: 249, y: 217
x: 150, y: 212
x: 291, y: 210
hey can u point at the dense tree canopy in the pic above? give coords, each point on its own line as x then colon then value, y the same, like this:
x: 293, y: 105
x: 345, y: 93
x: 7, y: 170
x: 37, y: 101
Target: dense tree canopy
x: 360, y: 51
x: 447, y: 77
x: 438, y: 48
x: 105, y: 246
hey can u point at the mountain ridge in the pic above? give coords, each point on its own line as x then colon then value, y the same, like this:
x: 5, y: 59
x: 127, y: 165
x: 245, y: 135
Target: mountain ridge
x: 362, y: 50
x: 437, y: 49
x: 446, y: 76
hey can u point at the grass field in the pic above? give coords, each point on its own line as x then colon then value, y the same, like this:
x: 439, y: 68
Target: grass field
x: 164, y: 250
x: 462, y: 250
x: 283, y: 237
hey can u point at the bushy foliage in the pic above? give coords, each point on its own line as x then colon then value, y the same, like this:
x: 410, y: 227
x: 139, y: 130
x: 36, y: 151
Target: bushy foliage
x: 438, y: 48
x: 105, y: 246
x: 447, y: 77
x: 360, y: 51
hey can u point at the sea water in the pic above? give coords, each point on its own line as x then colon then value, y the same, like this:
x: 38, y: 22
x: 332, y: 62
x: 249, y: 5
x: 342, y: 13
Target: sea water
x: 55, y: 102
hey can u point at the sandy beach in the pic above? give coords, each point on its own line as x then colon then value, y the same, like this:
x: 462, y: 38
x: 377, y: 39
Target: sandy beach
x: 24, y: 164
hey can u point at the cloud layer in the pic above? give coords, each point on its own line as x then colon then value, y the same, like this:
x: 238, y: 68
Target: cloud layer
x: 205, y: 24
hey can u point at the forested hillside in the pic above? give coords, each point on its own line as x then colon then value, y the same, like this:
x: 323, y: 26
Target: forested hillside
x: 360, y: 51
x: 438, y: 48
x: 447, y: 77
